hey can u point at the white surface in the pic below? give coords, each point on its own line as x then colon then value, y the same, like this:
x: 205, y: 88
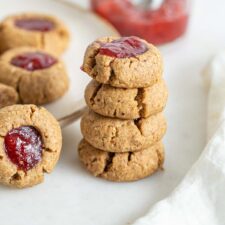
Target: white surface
x: 199, y: 199
x: 214, y: 75
x: 70, y: 195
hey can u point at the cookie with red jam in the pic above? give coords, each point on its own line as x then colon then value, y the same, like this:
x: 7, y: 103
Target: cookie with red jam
x: 38, y: 76
x: 127, y: 62
x: 8, y: 95
x: 30, y: 145
x: 34, y: 30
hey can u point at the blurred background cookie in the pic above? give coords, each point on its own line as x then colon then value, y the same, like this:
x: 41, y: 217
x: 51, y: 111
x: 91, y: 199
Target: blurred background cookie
x: 38, y: 76
x: 34, y: 30
x: 8, y: 95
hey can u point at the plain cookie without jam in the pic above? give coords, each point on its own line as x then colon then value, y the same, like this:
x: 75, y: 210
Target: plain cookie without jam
x: 116, y: 135
x: 126, y: 103
x: 129, y: 166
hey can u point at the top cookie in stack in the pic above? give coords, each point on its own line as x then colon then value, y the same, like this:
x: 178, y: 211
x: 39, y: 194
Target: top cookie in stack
x: 124, y: 127
x: 127, y: 62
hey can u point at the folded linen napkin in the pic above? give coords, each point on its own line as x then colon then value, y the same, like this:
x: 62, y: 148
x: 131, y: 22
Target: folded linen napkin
x: 200, y: 198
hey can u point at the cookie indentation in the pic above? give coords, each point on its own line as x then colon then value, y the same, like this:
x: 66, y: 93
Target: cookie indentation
x: 35, y: 24
x: 32, y: 61
x: 123, y: 48
x: 23, y: 146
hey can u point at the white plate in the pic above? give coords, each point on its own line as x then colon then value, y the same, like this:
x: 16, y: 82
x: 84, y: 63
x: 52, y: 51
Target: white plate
x: 70, y: 195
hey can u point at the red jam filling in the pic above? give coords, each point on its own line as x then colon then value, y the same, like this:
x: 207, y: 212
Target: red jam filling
x: 23, y: 146
x: 156, y: 26
x: 123, y: 48
x: 35, y: 24
x: 33, y: 61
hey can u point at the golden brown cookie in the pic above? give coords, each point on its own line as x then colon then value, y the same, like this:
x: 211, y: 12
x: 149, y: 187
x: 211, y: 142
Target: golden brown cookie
x: 8, y: 95
x: 126, y: 103
x: 116, y: 135
x: 30, y: 145
x: 128, y: 166
x: 37, y: 76
x: 34, y: 30
x: 123, y: 70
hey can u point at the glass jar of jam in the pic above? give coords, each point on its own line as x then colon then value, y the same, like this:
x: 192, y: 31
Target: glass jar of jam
x: 157, y: 26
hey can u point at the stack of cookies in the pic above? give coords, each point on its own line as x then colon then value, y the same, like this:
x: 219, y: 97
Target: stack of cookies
x: 124, y: 125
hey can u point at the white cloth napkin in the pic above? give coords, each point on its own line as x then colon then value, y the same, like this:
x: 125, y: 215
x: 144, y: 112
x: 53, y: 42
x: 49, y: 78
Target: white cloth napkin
x: 200, y: 198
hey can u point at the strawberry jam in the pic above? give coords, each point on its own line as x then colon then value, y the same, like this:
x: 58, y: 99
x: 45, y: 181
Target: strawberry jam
x: 157, y: 26
x: 34, y: 24
x: 23, y: 146
x: 33, y: 61
x: 124, y: 47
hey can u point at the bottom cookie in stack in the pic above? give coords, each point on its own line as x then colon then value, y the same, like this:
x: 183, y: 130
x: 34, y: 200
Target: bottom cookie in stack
x: 126, y: 166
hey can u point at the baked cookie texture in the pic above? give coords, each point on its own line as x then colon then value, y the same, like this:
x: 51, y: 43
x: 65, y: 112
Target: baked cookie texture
x: 135, y: 72
x: 116, y: 135
x: 126, y: 103
x: 8, y: 96
x: 124, y: 126
x: 128, y: 166
x: 34, y: 87
x: 29, y: 115
x: 54, y: 41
